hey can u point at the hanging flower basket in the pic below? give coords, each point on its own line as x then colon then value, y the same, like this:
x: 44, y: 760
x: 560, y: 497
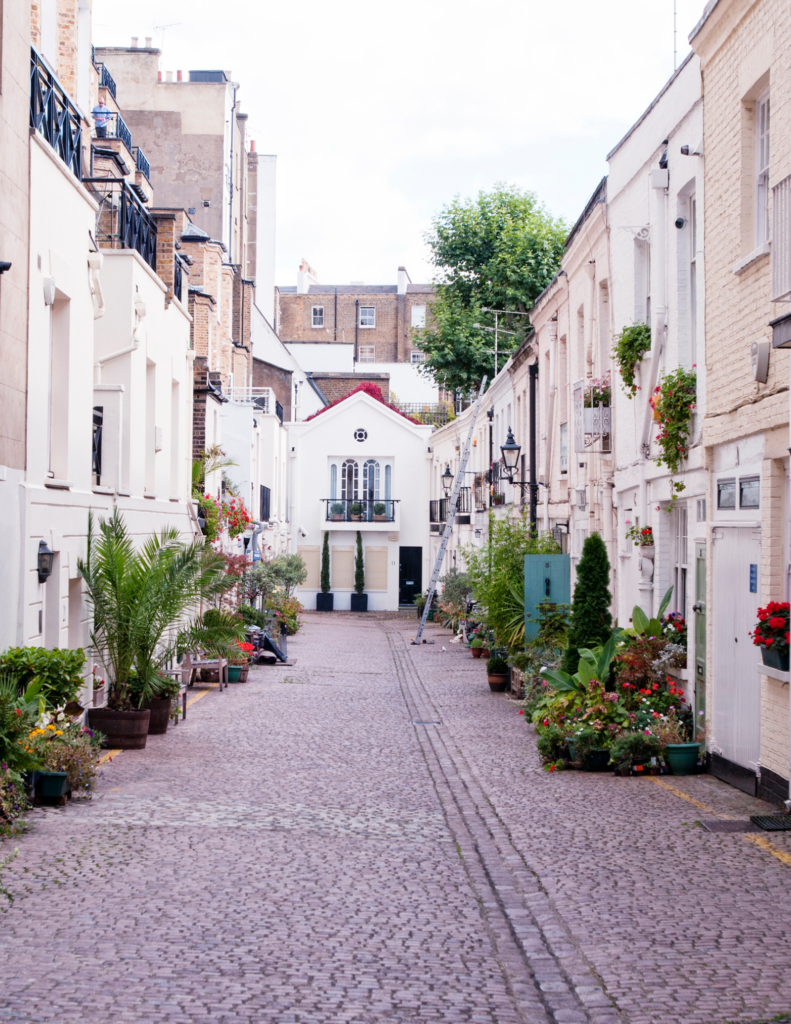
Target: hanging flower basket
x: 771, y: 634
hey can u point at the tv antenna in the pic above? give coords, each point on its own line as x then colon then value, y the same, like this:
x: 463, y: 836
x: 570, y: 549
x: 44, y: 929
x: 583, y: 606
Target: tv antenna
x: 161, y: 28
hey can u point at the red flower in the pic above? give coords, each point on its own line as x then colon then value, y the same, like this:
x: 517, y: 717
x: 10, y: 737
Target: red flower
x: 776, y: 622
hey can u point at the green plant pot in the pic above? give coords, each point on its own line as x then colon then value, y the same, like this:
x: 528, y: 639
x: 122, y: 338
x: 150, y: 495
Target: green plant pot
x: 53, y: 785
x: 596, y: 760
x: 234, y: 673
x: 682, y: 757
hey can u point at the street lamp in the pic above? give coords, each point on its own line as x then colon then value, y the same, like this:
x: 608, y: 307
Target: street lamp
x: 510, y: 452
x: 447, y: 480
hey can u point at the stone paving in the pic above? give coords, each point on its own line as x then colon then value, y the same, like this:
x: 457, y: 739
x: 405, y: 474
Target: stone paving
x: 368, y: 837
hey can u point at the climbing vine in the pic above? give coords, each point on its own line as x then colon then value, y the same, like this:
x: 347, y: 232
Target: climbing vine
x: 630, y: 345
x: 673, y: 402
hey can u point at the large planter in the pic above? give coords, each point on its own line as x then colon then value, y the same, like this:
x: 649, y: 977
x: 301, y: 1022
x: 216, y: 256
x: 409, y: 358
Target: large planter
x: 486, y: 653
x: 380, y: 519
x: 497, y: 682
x: 235, y: 673
x: 52, y: 785
x: 682, y: 757
x: 160, y: 715
x: 476, y: 651
x: 596, y: 760
x: 359, y: 602
x: 774, y: 659
x: 123, y: 730
x: 324, y: 602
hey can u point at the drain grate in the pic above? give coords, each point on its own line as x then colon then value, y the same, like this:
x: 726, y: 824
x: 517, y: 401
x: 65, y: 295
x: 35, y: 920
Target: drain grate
x: 718, y: 825
x: 420, y: 721
x: 772, y: 822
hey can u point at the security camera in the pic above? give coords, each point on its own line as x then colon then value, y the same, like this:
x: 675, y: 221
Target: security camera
x: 680, y: 222
x: 303, y: 532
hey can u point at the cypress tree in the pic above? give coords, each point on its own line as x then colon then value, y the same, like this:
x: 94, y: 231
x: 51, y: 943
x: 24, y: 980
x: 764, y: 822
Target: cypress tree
x: 325, y: 564
x: 359, y: 566
x: 591, y: 621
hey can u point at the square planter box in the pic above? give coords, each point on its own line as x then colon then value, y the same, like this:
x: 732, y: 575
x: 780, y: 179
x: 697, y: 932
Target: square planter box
x: 324, y: 602
x: 774, y: 659
x: 359, y: 602
x: 52, y: 785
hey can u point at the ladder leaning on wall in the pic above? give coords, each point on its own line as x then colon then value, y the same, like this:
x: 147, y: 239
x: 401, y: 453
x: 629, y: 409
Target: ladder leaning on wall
x: 452, y: 505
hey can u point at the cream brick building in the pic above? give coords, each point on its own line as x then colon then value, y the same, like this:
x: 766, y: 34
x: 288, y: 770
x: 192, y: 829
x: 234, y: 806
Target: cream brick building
x: 745, y: 52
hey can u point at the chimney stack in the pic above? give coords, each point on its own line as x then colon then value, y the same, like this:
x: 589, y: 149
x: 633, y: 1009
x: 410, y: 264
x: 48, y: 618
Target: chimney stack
x: 159, y: 76
x: 148, y: 42
x: 134, y: 42
x: 252, y: 145
x: 178, y: 76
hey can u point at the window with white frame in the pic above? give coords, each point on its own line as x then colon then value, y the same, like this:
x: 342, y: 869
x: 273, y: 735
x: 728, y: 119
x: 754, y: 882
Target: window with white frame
x: 317, y: 316
x: 350, y: 480
x: 367, y: 354
x: 418, y: 316
x: 680, y: 565
x: 762, y: 170
x: 367, y: 316
x: 371, y: 480
x: 417, y: 356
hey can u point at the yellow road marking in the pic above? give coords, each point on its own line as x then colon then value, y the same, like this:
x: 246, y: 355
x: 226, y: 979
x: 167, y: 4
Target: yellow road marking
x: 108, y: 755
x: 760, y: 841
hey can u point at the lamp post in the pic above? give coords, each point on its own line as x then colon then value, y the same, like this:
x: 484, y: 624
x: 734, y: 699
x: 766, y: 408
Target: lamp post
x: 511, y: 452
x: 447, y: 480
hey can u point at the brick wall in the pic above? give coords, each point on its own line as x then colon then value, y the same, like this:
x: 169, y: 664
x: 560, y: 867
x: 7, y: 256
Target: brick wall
x: 200, y: 380
x: 266, y: 375
x: 337, y: 385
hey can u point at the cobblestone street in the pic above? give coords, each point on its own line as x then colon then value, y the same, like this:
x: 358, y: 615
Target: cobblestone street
x: 368, y: 836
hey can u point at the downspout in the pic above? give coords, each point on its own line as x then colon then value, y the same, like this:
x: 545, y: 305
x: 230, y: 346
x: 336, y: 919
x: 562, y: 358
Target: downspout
x: 553, y: 340
x: 230, y: 210
x: 137, y: 337
x: 356, y: 328
x: 533, y: 378
x: 335, y: 317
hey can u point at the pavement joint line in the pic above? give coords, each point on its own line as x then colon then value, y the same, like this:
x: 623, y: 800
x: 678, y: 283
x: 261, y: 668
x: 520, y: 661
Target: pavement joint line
x: 763, y: 842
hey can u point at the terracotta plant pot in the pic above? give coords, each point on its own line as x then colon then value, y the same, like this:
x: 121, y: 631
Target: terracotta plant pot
x: 486, y: 653
x: 380, y: 519
x: 476, y: 651
x: 123, y: 730
x: 160, y: 715
x: 498, y: 683
x: 337, y: 517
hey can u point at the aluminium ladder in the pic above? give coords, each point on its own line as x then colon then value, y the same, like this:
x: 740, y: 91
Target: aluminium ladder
x: 452, y: 506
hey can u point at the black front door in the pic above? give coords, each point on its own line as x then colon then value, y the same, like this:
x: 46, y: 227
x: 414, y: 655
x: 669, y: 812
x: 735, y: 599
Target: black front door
x: 410, y: 574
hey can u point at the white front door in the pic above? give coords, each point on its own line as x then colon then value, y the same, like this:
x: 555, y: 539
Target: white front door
x: 735, y: 685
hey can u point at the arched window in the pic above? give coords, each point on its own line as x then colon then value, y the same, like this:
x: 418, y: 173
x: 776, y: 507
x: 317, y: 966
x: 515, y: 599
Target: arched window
x: 371, y: 480
x: 388, y: 483
x: 349, y: 480
x: 334, y: 482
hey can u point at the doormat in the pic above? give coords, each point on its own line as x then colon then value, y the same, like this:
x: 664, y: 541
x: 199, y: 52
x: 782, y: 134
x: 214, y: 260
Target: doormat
x: 718, y: 825
x: 772, y: 822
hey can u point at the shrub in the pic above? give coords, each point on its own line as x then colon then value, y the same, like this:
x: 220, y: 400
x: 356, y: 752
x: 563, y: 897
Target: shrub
x: 356, y: 509
x: 379, y: 508
x: 632, y: 748
x: 336, y: 509
x: 286, y: 610
x: 13, y: 802
x: 252, y: 616
x: 591, y: 621
x: 497, y: 666
x: 59, y: 671
x: 325, y: 564
x: 359, y: 566
x: 552, y: 744
x: 17, y: 719
x: 586, y: 740
x: 476, y: 642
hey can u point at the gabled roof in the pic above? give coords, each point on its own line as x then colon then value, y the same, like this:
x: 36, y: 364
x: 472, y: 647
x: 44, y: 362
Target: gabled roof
x: 365, y: 388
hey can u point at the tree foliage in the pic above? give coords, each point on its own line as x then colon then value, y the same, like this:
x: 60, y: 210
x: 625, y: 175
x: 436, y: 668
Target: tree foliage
x: 499, y: 251
x: 591, y: 621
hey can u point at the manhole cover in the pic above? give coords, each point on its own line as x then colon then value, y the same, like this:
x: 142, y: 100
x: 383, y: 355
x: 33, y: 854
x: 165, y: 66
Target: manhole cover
x: 420, y: 721
x: 718, y: 825
x: 772, y: 822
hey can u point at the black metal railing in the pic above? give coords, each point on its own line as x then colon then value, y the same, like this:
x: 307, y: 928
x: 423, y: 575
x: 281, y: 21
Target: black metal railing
x: 105, y: 78
x: 124, y: 223
x: 110, y: 125
x: 438, y: 509
x: 178, y: 276
x: 279, y: 410
x: 141, y: 163
x: 266, y: 498
x: 96, y: 450
x: 360, y: 510
x: 53, y: 115
x: 436, y: 414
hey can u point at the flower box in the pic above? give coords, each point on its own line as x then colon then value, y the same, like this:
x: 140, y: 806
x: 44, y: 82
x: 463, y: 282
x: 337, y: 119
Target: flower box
x: 380, y: 519
x: 775, y: 659
x: 53, y: 785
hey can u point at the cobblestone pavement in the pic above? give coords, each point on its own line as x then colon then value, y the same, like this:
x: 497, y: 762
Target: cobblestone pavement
x: 368, y: 837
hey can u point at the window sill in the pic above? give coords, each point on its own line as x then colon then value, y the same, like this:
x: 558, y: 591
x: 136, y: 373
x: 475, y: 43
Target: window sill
x: 755, y: 255
x: 58, y: 485
x: 103, y: 490
x: 151, y: 497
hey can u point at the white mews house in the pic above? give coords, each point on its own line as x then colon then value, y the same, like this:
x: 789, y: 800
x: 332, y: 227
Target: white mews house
x: 360, y: 465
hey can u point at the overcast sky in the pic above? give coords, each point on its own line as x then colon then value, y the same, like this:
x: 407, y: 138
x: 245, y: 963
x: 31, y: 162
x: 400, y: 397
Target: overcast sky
x: 381, y: 113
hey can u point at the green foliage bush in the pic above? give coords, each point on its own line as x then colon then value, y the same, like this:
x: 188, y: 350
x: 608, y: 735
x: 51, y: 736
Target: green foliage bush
x: 325, y: 564
x: 634, y: 748
x: 497, y: 666
x: 552, y: 744
x: 630, y: 346
x: 591, y: 621
x: 359, y: 566
x: 59, y: 671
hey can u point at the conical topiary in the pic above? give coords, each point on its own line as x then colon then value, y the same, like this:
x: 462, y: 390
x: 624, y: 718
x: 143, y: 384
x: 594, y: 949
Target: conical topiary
x: 325, y: 564
x: 359, y: 566
x: 591, y: 621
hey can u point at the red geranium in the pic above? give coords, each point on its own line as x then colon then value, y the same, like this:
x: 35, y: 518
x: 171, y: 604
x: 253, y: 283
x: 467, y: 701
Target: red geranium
x: 772, y: 629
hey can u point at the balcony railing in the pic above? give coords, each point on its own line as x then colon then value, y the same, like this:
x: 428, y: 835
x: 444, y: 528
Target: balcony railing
x: 360, y: 510
x: 105, y: 78
x: 438, y: 509
x: 436, y: 414
x: 592, y: 419
x: 141, y: 163
x: 124, y: 223
x: 111, y: 125
x: 178, y: 276
x: 781, y: 240
x: 53, y: 115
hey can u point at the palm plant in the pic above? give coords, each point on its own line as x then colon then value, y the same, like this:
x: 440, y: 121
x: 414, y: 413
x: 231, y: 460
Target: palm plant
x: 142, y: 602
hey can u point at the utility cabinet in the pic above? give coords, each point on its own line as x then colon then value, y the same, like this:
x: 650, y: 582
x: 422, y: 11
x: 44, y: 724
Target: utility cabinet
x: 547, y: 578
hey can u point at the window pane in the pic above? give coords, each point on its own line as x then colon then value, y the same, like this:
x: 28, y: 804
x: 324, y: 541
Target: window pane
x: 318, y: 316
x: 726, y: 494
x: 750, y: 492
x: 418, y: 356
x: 418, y: 316
x: 367, y: 354
x: 367, y: 316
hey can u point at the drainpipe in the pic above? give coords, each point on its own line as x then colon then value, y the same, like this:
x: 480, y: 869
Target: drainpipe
x: 356, y: 328
x: 230, y: 210
x: 532, y: 380
x: 553, y: 340
x: 137, y: 337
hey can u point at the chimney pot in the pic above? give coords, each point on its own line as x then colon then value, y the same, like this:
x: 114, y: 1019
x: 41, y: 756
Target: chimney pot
x: 134, y: 42
x: 148, y: 42
x: 252, y: 145
x: 169, y: 76
x: 159, y: 76
x: 178, y: 76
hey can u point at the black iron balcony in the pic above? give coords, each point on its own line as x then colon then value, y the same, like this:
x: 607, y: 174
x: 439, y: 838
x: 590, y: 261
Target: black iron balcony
x: 110, y: 125
x: 438, y: 509
x: 53, y: 115
x: 141, y: 163
x: 105, y: 78
x: 123, y: 222
x: 360, y: 510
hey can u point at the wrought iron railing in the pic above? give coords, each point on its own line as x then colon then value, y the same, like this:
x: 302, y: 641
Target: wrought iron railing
x: 105, y: 78
x: 123, y: 221
x: 781, y: 240
x: 178, y: 276
x: 141, y: 163
x: 592, y: 419
x: 360, y: 510
x: 434, y: 413
x: 438, y: 508
x: 110, y: 125
x: 53, y: 115
x: 96, y: 447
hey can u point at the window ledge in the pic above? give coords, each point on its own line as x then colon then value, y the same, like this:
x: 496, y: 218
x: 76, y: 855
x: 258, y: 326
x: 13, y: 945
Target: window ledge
x: 151, y: 497
x: 60, y: 485
x: 756, y: 254
x: 103, y: 490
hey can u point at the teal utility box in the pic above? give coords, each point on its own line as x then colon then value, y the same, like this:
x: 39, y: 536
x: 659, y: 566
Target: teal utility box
x: 547, y: 578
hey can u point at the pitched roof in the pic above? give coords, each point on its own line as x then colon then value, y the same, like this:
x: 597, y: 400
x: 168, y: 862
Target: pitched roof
x: 599, y: 196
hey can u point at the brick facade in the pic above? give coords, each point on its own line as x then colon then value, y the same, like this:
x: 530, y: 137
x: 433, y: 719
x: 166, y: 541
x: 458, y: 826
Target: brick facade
x: 267, y: 375
x: 337, y: 385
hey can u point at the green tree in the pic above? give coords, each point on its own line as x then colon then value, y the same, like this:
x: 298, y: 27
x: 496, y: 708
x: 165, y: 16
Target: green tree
x: 499, y: 251
x: 359, y: 566
x: 325, y: 564
x: 591, y: 621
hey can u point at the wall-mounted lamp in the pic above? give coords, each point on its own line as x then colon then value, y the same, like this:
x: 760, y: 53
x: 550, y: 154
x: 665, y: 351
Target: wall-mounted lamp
x: 447, y: 480
x: 510, y: 452
x: 45, y: 558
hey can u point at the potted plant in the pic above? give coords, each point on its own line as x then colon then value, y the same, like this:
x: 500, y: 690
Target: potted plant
x: 633, y: 751
x: 771, y: 634
x: 590, y: 748
x: 630, y: 347
x: 497, y: 498
x: 476, y: 647
x: 99, y: 689
x: 324, y: 600
x: 643, y: 538
x: 336, y: 512
x: 356, y: 511
x: 380, y: 512
x: 681, y: 755
x: 497, y: 674
x: 159, y: 706
x: 359, y: 598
